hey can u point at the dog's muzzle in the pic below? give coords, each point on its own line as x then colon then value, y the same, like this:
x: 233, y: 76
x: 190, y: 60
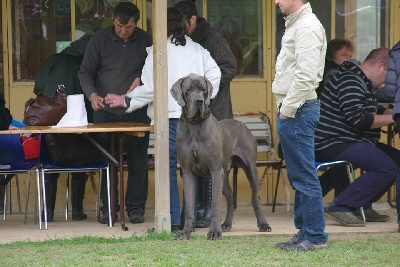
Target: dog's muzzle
x: 198, y: 102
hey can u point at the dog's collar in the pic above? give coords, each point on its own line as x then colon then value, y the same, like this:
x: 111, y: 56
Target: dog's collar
x: 196, y: 120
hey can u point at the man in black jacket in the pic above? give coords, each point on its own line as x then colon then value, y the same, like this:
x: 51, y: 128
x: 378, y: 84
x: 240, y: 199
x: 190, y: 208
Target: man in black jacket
x: 113, y: 63
x: 5, y: 124
x: 5, y: 116
x: 221, y: 107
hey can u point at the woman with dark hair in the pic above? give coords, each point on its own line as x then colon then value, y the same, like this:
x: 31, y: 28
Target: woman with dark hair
x: 337, y: 51
x: 221, y: 107
x: 184, y: 57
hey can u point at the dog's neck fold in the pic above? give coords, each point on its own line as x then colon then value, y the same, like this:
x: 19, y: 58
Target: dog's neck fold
x: 196, y: 119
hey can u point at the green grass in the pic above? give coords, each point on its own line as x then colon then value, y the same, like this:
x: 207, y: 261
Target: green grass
x: 153, y: 249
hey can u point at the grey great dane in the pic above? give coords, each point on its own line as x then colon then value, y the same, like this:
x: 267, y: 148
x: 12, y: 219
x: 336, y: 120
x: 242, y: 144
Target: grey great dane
x: 207, y: 147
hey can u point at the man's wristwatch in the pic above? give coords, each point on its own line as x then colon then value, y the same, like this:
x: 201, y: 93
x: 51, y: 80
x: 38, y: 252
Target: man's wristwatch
x: 127, y: 101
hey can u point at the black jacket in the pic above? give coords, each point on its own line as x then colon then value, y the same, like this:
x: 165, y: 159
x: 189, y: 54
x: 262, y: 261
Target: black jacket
x: 216, y: 44
x: 63, y: 68
x: 330, y: 69
x: 5, y: 116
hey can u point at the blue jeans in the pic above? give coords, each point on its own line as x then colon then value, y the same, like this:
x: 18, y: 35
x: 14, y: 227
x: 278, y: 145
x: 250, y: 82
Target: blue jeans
x: 297, y: 140
x: 173, y: 182
x: 398, y: 196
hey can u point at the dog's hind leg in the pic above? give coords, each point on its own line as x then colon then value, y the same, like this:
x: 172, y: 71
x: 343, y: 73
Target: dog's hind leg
x: 189, y: 185
x: 227, y: 191
x: 252, y: 176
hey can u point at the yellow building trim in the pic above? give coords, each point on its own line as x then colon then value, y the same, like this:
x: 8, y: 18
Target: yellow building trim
x: 5, y: 66
x: 394, y: 22
x: 333, y: 19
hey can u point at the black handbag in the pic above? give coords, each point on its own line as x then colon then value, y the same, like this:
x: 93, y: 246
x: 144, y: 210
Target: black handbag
x: 71, y: 150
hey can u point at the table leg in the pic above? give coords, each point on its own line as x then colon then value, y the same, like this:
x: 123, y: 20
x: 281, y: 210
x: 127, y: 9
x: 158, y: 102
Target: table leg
x: 121, y: 181
x: 110, y: 158
x: 107, y: 156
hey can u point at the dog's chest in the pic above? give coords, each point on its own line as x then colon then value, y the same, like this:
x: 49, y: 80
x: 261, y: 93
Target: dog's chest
x: 198, y: 152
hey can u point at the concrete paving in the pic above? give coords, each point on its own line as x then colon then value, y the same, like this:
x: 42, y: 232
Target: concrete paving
x: 13, y: 229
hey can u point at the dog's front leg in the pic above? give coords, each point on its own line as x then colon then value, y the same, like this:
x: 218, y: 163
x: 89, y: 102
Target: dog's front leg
x: 215, y: 231
x: 189, y: 185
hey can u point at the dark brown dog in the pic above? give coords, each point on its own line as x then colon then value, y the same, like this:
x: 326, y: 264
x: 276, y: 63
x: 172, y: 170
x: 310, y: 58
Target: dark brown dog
x: 207, y: 147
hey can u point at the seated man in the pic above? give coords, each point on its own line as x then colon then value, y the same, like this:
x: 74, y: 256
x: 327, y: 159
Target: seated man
x: 349, y: 129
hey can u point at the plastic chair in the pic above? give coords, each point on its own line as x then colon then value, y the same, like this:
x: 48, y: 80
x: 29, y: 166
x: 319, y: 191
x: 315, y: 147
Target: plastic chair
x: 13, y: 162
x: 47, y: 167
x: 260, y: 126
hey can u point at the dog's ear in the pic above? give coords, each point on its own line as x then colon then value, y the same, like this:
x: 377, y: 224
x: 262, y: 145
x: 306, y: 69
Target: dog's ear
x: 176, y: 92
x: 209, y: 91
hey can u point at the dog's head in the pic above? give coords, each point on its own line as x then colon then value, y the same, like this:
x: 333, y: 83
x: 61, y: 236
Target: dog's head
x: 193, y: 93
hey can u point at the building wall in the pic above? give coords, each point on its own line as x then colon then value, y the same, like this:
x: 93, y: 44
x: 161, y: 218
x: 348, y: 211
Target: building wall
x: 248, y: 94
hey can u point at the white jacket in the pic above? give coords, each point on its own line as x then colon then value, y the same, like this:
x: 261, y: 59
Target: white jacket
x: 182, y: 60
x: 300, y: 63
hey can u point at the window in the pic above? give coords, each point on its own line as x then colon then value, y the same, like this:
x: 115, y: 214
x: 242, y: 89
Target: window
x: 241, y: 25
x: 37, y: 27
x: 364, y: 22
x: 42, y: 28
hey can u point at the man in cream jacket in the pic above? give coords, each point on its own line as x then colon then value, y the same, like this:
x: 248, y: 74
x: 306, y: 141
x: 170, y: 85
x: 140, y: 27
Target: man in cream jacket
x: 299, y: 69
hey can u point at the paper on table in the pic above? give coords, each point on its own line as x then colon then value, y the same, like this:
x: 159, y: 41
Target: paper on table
x: 76, y: 112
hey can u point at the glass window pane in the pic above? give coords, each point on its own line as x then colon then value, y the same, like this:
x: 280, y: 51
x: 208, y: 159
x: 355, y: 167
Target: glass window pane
x: 241, y: 25
x: 364, y: 23
x: 42, y: 28
x: 1, y: 58
x: 37, y: 27
x: 94, y: 15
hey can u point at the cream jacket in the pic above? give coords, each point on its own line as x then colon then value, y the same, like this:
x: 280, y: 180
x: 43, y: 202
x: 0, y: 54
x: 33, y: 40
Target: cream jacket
x: 300, y: 63
x: 182, y: 60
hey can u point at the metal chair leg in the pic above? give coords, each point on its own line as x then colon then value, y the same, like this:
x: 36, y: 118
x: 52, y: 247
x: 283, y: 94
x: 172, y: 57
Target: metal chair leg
x: 67, y: 196
x: 18, y: 194
x: 28, y: 185
x: 277, y: 184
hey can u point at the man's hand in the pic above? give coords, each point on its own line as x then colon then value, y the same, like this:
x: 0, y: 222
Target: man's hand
x: 388, y: 111
x: 96, y: 102
x: 282, y: 117
x: 134, y: 84
x: 114, y: 100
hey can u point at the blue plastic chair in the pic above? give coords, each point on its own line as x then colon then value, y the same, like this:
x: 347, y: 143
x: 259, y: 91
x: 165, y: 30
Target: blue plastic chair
x: 47, y: 167
x: 13, y: 162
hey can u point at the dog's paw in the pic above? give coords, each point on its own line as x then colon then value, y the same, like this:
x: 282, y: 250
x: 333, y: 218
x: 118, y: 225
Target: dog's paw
x: 264, y: 227
x: 182, y: 235
x: 214, y: 235
x: 226, y: 227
